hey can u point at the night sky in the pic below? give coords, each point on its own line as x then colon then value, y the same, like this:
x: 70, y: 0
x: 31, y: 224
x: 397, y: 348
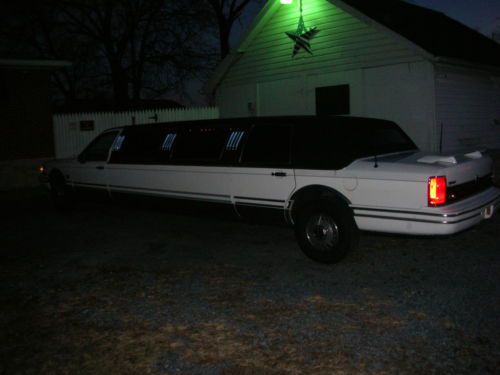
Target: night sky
x: 481, y: 15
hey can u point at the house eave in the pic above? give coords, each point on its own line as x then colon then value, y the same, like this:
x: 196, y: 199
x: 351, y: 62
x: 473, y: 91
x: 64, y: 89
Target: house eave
x: 465, y: 64
x: 377, y: 25
x: 267, y: 11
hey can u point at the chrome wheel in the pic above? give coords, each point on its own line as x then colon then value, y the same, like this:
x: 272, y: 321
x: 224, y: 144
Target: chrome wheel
x: 322, y: 232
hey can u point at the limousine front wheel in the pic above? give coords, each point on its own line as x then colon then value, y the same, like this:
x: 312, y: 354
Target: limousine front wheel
x: 326, y: 231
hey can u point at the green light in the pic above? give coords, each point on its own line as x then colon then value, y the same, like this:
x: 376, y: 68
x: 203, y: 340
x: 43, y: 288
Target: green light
x: 286, y: 2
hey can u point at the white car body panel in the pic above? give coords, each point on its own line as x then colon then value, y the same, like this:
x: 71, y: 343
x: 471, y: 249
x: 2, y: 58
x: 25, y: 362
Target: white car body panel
x: 387, y: 193
x: 175, y: 181
x: 88, y: 175
x: 259, y: 187
x: 433, y: 221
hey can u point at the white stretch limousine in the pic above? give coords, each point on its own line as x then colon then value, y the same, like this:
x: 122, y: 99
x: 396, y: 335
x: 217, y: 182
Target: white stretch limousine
x: 328, y: 177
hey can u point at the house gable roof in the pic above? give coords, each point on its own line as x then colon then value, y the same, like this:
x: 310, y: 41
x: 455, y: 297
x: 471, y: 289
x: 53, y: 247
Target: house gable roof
x: 433, y: 34
x: 433, y: 31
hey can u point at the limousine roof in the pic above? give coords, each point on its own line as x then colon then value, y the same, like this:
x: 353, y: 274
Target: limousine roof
x: 246, y: 122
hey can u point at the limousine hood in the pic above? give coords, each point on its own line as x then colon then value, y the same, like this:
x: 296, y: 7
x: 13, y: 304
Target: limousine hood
x: 419, y: 166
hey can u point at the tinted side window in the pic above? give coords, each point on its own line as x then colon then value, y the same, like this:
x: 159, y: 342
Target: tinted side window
x: 138, y: 146
x: 376, y: 138
x: 99, y: 148
x: 236, y: 138
x: 268, y: 145
x: 200, y: 144
x: 319, y: 147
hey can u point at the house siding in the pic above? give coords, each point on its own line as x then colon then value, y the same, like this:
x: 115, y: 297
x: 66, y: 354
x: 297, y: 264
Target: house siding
x: 343, y: 43
x: 386, y: 77
x: 404, y: 93
x: 442, y: 107
x: 467, y: 108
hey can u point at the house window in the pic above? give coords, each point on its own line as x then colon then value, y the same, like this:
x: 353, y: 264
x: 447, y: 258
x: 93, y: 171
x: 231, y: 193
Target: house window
x: 333, y: 100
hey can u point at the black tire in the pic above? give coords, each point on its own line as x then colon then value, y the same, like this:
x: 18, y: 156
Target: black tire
x: 326, y: 230
x: 59, y: 192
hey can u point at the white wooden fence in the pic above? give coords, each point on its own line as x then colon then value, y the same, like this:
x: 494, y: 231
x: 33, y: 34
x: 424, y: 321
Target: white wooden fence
x: 73, y: 131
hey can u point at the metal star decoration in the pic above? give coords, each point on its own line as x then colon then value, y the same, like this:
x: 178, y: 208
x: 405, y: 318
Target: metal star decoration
x: 302, y: 36
x: 302, y: 40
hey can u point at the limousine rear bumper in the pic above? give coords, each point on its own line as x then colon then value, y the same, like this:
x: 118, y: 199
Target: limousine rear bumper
x: 430, y: 221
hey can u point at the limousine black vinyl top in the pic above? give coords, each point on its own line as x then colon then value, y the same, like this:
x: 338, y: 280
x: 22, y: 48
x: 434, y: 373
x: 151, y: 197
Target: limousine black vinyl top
x: 299, y: 142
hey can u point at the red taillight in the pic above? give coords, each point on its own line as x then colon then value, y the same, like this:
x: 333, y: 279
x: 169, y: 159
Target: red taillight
x: 436, y: 192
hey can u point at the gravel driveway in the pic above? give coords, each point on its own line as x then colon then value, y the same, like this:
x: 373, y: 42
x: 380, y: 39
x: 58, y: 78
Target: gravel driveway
x: 112, y: 289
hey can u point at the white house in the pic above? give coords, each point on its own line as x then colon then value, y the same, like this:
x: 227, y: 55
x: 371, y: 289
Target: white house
x: 388, y: 59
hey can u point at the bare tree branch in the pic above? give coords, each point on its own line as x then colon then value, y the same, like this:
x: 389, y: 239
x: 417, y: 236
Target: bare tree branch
x: 226, y: 14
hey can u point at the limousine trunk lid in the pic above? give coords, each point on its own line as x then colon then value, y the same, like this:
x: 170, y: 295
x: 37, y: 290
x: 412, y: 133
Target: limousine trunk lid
x: 458, y: 168
x: 402, y: 179
x: 419, y: 166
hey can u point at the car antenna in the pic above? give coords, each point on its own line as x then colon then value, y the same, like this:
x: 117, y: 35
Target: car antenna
x: 375, y: 159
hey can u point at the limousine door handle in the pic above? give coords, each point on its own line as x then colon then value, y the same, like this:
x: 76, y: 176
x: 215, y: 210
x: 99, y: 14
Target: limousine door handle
x: 99, y: 167
x: 279, y: 174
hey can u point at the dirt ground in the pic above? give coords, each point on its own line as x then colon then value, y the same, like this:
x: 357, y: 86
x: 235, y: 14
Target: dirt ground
x: 114, y: 289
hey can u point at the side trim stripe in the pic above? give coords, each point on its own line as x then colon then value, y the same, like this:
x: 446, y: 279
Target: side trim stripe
x: 168, y: 191
x: 426, y: 213
x: 258, y: 205
x: 87, y: 184
x: 418, y: 220
x: 260, y: 199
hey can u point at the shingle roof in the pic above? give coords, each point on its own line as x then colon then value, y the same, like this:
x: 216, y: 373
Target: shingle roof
x: 433, y: 31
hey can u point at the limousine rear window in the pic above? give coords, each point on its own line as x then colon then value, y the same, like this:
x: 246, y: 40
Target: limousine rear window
x: 234, y: 140
x: 168, y: 141
x: 377, y: 139
x: 330, y: 145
